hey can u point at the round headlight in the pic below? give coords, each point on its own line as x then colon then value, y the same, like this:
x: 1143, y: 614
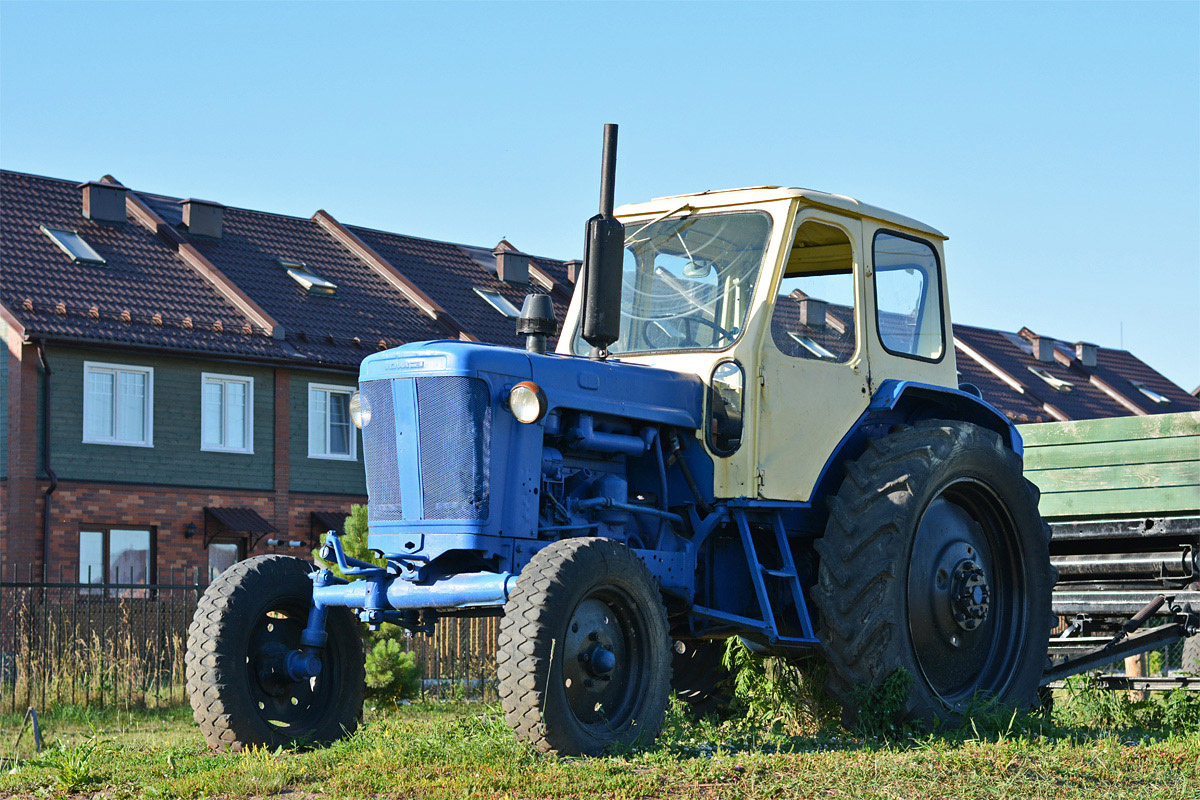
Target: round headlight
x: 360, y: 410
x: 527, y: 402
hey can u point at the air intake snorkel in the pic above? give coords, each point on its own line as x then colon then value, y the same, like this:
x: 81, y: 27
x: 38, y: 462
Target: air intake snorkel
x: 603, y: 256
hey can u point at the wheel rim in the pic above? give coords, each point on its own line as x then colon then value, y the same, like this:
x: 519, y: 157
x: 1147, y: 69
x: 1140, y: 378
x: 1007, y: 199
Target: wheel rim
x: 295, y: 708
x: 604, y: 660
x: 967, y: 609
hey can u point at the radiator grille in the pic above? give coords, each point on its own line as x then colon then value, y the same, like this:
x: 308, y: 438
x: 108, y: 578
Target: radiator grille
x: 379, y: 452
x: 455, y: 426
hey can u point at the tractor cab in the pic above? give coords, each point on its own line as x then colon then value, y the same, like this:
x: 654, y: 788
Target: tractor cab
x: 794, y: 306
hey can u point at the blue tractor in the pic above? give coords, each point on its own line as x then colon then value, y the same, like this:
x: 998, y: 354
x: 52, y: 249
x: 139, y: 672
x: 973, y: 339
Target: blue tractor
x: 752, y: 427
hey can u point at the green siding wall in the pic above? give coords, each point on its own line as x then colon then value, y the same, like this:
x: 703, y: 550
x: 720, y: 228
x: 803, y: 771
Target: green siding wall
x: 176, y: 457
x: 3, y: 399
x: 320, y: 474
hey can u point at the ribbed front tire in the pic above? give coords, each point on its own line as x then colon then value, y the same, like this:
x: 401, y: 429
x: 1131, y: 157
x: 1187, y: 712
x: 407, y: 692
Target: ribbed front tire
x: 584, y: 657
x: 246, y: 622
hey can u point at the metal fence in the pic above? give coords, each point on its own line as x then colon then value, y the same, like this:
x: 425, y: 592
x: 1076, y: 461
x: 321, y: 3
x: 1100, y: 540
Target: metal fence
x: 65, y: 642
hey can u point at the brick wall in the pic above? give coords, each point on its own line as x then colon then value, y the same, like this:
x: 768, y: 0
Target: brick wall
x: 168, y: 510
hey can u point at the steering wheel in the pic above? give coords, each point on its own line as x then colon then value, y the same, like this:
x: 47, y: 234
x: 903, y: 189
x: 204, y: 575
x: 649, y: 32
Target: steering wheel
x: 689, y: 337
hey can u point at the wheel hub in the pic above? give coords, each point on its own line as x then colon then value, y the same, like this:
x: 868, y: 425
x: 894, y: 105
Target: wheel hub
x: 969, y: 595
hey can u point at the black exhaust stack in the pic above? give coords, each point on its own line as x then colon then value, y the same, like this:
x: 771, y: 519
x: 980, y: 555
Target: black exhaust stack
x: 604, y: 252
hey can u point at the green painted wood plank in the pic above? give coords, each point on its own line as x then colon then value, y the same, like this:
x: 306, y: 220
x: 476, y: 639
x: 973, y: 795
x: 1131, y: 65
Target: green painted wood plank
x: 1153, y: 500
x: 1114, y: 429
x: 1126, y: 476
x: 1103, y: 454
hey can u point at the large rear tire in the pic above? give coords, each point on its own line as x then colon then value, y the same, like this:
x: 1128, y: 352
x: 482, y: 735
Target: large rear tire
x: 935, y: 561
x: 584, y: 657
x: 246, y: 622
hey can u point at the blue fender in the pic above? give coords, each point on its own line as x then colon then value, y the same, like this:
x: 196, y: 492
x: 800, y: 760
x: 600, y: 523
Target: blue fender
x: 903, y: 403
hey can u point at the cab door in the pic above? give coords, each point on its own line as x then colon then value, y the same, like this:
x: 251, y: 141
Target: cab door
x: 813, y: 380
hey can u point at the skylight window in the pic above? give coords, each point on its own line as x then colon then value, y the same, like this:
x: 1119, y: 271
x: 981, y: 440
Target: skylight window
x: 1058, y: 384
x: 1153, y: 395
x: 812, y: 346
x: 308, y: 280
x: 74, y: 245
x: 498, y: 302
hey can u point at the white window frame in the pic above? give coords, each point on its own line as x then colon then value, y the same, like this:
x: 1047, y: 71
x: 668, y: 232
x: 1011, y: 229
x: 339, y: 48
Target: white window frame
x: 330, y: 387
x: 148, y: 414
x: 216, y: 377
x: 1158, y: 399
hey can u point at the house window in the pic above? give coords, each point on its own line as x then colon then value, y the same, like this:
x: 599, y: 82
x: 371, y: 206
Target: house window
x: 1161, y: 400
x: 227, y: 413
x: 1058, y: 384
x: 222, y: 556
x: 116, y: 555
x: 498, y: 302
x: 74, y: 245
x: 330, y: 433
x: 118, y: 404
x: 308, y: 280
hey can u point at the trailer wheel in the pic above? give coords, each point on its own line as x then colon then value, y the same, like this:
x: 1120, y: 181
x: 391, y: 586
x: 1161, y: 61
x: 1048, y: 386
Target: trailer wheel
x: 584, y: 657
x: 246, y: 622
x: 699, y: 677
x: 935, y: 561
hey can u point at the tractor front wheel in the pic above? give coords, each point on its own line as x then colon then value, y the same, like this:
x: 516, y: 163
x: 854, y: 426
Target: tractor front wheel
x: 246, y: 623
x: 584, y: 657
x: 935, y: 561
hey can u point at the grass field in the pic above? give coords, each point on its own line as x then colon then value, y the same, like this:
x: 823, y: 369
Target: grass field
x: 1097, y: 747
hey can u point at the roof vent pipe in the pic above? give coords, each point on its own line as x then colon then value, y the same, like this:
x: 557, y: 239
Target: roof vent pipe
x: 812, y: 312
x: 1086, y: 353
x: 203, y: 217
x: 103, y: 202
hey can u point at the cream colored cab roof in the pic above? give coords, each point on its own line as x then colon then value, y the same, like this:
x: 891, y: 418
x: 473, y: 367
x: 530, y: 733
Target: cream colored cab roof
x: 763, y: 194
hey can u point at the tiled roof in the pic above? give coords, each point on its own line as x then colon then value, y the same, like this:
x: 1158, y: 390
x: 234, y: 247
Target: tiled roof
x: 321, y: 328
x: 143, y: 295
x: 407, y: 289
x: 1090, y: 392
x: 450, y: 273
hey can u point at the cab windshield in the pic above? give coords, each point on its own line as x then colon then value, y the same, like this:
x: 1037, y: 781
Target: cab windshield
x: 687, y: 281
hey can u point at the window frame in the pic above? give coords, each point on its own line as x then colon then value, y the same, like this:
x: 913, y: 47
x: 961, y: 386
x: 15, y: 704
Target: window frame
x: 93, y: 258
x: 239, y: 543
x: 223, y: 379
x: 941, y: 295
x: 105, y: 532
x: 327, y: 388
x: 148, y: 403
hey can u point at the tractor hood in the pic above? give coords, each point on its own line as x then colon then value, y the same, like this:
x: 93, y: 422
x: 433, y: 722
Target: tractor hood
x: 635, y: 391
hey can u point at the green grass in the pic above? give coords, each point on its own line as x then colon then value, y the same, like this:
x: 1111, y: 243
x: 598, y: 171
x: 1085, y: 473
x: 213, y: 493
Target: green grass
x: 1093, y: 746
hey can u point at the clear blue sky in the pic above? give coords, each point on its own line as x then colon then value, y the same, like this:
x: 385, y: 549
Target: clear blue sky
x: 1057, y: 145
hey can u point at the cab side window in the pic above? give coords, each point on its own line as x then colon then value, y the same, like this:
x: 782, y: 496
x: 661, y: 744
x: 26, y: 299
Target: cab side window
x: 908, y: 297
x: 814, y: 311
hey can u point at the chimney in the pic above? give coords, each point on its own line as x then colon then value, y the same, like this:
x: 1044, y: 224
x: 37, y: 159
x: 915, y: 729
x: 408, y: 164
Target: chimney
x: 812, y: 312
x: 203, y: 218
x: 512, y: 267
x: 1043, y: 348
x: 573, y: 268
x: 1086, y: 353
x: 103, y: 202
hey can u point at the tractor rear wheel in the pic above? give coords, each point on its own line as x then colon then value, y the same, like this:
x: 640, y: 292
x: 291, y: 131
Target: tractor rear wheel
x: 245, y: 624
x: 935, y: 561
x: 584, y: 657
